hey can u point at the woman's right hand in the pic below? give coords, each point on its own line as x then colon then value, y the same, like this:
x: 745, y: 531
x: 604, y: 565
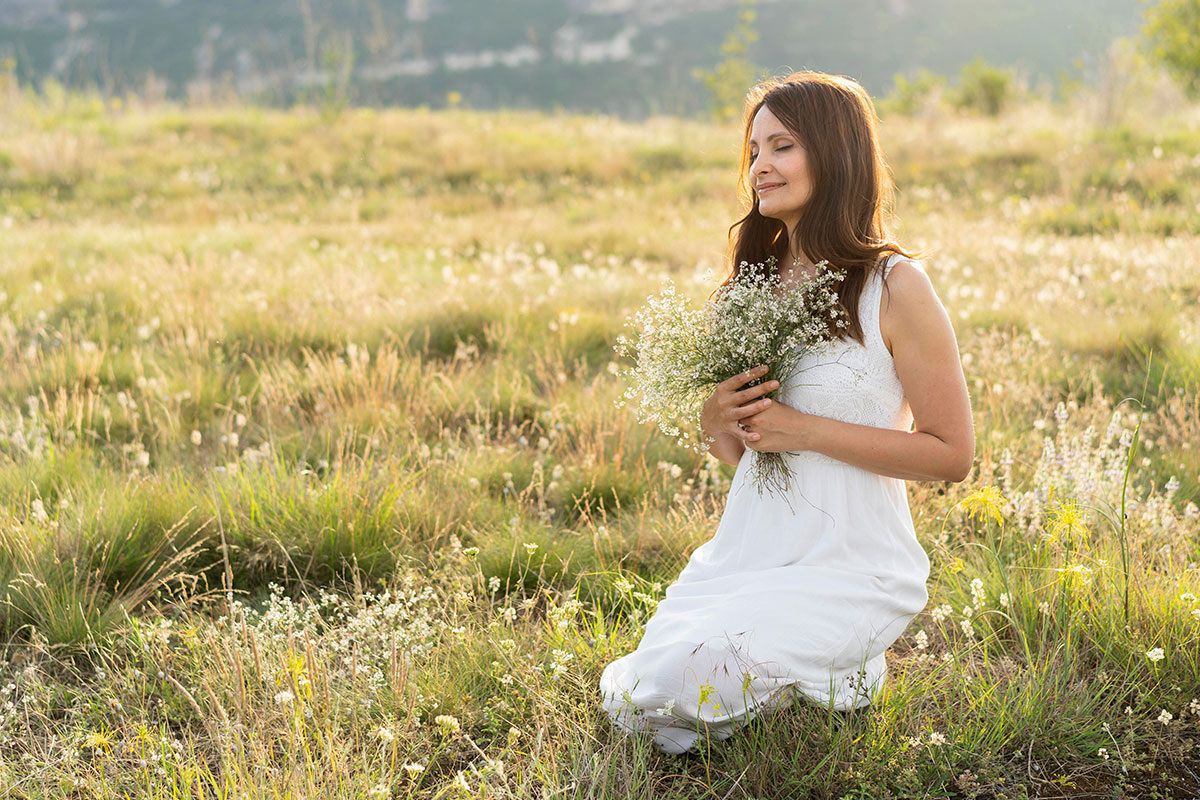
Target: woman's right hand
x: 729, y: 404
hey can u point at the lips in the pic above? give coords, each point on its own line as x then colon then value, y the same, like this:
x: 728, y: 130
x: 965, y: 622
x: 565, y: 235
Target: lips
x: 766, y: 187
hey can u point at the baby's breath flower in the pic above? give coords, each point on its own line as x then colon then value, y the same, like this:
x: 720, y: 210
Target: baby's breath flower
x: 681, y: 352
x: 447, y: 723
x: 1165, y: 717
x: 1155, y: 654
x: 414, y: 769
x: 936, y: 738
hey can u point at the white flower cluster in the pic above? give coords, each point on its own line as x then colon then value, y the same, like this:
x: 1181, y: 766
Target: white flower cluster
x: 682, y: 352
x: 1078, y: 464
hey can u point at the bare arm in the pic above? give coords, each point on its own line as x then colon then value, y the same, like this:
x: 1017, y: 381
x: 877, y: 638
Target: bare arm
x: 925, y: 352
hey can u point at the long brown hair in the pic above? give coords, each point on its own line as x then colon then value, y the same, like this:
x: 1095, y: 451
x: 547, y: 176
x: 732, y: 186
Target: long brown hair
x: 843, y: 221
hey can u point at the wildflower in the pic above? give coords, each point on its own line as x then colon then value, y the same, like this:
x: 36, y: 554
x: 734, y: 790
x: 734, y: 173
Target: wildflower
x: 1068, y: 524
x: 667, y: 708
x: 914, y: 741
x: 38, y: 512
x: 284, y: 697
x: 984, y: 504
x: 470, y: 552
x: 922, y: 640
x: 623, y: 586
x: 1103, y: 753
x: 1156, y: 654
x: 385, y: 733
x: 197, y: 438
x: 941, y: 612
x: 460, y: 782
x: 414, y: 769
x: 530, y: 547
x: 1074, y: 574
x: 1187, y: 597
x: 379, y: 790
x: 1044, y: 607
x: 447, y: 723
x: 968, y: 611
x: 98, y: 742
x: 1194, y: 706
x: 936, y: 738
x: 978, y: 595
x: 494, y: 584
x: 967, y: 629
x: 1165, y: 717
x: 1004, y: 599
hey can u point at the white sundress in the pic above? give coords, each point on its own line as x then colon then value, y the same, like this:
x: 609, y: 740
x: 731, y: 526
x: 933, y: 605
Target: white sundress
x: 806, y: 591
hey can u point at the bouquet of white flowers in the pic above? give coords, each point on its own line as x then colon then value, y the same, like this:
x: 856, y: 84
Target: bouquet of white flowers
x: 681, y: 353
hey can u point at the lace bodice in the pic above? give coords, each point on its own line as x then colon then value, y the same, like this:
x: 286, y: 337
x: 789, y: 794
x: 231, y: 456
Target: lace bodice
x: 849, y: 382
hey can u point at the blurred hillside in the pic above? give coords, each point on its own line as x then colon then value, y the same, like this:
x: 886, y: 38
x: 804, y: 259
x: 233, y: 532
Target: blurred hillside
x: 616, y: 56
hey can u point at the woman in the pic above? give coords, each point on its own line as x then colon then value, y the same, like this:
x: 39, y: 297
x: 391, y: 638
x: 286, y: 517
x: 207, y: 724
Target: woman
x: 805, y: 593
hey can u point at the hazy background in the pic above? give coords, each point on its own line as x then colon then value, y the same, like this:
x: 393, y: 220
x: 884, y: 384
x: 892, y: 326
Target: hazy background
x: 615, y: 56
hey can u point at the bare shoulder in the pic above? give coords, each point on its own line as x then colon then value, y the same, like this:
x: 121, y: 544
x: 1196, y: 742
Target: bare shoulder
x: 909, y: 303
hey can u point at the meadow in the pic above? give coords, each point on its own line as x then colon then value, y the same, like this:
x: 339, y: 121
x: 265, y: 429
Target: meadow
x: 313, y: 481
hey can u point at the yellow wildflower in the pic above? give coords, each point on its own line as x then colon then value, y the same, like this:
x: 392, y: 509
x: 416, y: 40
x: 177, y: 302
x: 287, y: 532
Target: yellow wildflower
x: 1068, y: 523
x: 984, y: 504
x: 99, y: 742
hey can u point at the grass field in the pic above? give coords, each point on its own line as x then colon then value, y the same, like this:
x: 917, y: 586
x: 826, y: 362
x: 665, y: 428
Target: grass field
x: 313, y: 482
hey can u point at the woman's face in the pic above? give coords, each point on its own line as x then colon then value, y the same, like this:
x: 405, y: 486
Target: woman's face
x: 778, y: 169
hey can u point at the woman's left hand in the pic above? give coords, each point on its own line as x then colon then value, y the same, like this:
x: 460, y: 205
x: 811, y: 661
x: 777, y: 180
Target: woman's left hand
x: 780, y: 429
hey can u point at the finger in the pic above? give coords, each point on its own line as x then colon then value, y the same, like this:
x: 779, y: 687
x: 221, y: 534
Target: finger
x: 746, y: 395
x: 750, y: 409
x: 745, y: 377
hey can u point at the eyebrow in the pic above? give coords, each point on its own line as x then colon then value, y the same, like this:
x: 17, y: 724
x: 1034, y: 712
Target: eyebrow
x: 773, y: 136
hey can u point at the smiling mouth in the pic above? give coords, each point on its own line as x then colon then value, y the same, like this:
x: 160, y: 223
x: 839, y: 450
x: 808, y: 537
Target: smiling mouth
x: 768, y: 187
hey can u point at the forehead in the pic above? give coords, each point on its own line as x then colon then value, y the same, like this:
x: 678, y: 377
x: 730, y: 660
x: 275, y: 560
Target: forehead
x: 766, y: 124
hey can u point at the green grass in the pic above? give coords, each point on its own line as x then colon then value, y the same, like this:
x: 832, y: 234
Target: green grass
x: 324, y: 444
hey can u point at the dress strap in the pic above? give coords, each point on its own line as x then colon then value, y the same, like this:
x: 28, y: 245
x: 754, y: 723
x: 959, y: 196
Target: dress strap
x: 872, y: 302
